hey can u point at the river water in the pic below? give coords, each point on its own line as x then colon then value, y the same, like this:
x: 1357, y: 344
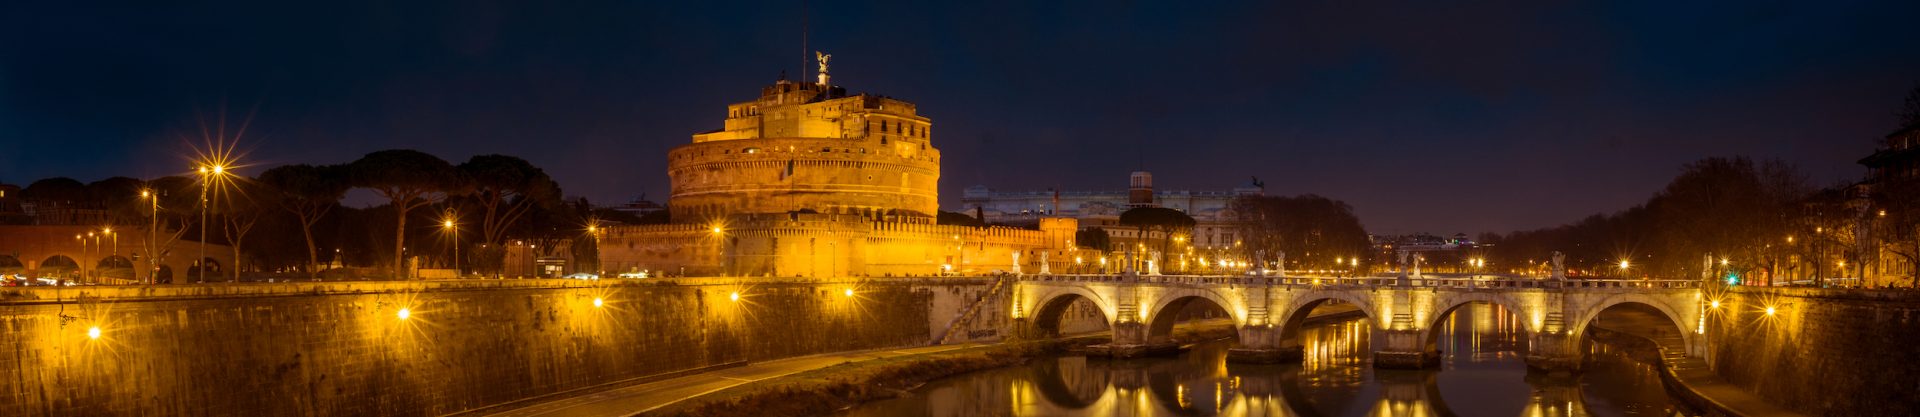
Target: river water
x: 1481, y: 373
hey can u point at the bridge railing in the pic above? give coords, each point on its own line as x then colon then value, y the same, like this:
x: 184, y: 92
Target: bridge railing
x: 1474, y: 281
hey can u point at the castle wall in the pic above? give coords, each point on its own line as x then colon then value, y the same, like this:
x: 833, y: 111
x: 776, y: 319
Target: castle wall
x: 823, y: 245
x: 712, y: 180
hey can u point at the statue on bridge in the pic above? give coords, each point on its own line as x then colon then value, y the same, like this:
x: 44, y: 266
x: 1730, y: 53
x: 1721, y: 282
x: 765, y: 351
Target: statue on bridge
x: 1559, y: 266
x: 1045, y: 269
x: 1283, y: 264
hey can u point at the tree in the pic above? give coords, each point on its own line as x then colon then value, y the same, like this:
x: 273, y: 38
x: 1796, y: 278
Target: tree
x: 238, y: 216
x: 1161, y: 219
x: 1313, y: 228
x: 177, y: 212
x: 57, y: 191
x: 504, y: 188
x: 307, y: 192
x: 1095, y: 238
x: 408, y: 179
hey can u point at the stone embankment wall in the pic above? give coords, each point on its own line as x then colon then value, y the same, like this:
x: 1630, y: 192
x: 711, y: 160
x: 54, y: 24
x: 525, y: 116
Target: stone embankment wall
x: 343, y: 348
x: 1822, y: 351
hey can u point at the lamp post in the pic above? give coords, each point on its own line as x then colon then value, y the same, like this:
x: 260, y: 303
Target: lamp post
x: 153, y: 224
x: 448, y: 224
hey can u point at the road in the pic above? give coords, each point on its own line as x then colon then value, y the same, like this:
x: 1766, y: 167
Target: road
x: 628, y: 401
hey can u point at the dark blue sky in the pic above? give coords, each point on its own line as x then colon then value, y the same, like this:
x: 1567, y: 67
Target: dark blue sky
x: 1432, y: 116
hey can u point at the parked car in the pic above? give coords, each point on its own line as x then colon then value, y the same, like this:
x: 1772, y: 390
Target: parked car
x: 582, y: 275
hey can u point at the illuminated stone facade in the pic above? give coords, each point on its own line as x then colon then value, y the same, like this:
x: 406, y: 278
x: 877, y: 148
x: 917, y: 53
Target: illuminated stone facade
x: 808, y: 181
x: 809, y: 147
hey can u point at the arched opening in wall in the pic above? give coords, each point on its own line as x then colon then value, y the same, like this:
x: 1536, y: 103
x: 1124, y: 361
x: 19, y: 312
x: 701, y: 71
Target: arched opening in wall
x: 58, y: 266
x: 1187, y: 314
x: 1332, y: 333
x: 1070, y: 314
x: 10, y: 265
x: 207, y: 268
x: 115, y: 266
x: 1627, y: 328
x: 164, y: 275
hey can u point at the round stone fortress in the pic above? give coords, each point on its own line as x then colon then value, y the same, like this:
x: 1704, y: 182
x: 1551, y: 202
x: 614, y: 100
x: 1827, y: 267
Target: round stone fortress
x: 809, y: 147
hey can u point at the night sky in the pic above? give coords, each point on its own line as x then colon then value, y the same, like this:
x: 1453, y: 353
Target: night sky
x: 1433, y: 116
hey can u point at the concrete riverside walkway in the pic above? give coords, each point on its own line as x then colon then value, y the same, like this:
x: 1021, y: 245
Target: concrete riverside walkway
x: 632, y: 400
x: 1693, y: 373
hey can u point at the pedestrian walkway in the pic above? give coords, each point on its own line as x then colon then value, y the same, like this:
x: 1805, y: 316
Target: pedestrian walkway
x: 1693, y: 373
x: 628, y: 401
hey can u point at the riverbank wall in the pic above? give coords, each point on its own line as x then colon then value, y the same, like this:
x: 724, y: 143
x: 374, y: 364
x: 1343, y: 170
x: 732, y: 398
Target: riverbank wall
x: 1829, y: 352
x: 433, y: 347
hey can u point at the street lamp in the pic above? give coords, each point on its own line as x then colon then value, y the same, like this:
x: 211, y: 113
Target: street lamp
x: 449, y: 225
x: 207, y: 173
x: 1623, y: 268
x: 153, y: 224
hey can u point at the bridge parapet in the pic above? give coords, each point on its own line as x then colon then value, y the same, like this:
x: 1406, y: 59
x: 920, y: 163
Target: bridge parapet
x: 1402, y: 312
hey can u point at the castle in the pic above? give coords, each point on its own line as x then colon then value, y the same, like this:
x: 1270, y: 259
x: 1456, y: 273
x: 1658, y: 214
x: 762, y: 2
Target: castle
x: 808, y: 181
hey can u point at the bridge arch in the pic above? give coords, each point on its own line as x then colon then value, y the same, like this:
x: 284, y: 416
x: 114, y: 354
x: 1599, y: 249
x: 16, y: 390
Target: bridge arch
x: 1447, y: 303
x: 1677, y: 315
x: 1050, y: 306
x: 1166, y: 309
x: 1295, y: 314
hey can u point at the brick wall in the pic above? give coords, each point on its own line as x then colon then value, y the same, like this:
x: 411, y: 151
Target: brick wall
x: 341, y: 349
x: 1822, y: 352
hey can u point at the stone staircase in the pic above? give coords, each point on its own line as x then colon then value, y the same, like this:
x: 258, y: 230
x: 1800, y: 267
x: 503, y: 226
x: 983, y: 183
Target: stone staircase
x: 966, y: 316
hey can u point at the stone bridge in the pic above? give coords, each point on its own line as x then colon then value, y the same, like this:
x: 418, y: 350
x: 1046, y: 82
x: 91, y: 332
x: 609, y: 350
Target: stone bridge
x: 1402, y: 312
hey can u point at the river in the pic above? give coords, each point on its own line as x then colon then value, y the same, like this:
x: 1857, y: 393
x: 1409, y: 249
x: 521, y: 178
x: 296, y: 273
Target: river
x: 1481, y: 373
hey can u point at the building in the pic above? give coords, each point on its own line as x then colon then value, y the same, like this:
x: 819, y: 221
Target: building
x: 1213, y: 238
x: 1896, y: 160
x: 808, y: 180
x: 1211, y: 210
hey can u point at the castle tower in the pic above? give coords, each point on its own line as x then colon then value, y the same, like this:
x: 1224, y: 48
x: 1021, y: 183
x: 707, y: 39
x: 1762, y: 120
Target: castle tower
x: 1140, y: 189
x: 809, y: 147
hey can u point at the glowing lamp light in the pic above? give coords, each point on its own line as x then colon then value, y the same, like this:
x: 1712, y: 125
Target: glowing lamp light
x: 597, y: 302
x: 1769, y: 310
x: 93, y: 332
x: 849, y: 292
x: 1624, y: 264
x: 716, y: 230
x: 1714, y: 304
x: 404, y: 313
x: 735, y: 296
x: 448, y: 224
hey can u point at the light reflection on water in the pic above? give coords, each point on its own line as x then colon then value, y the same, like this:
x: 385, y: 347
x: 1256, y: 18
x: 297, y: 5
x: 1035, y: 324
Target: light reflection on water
x: 1482, y: 373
